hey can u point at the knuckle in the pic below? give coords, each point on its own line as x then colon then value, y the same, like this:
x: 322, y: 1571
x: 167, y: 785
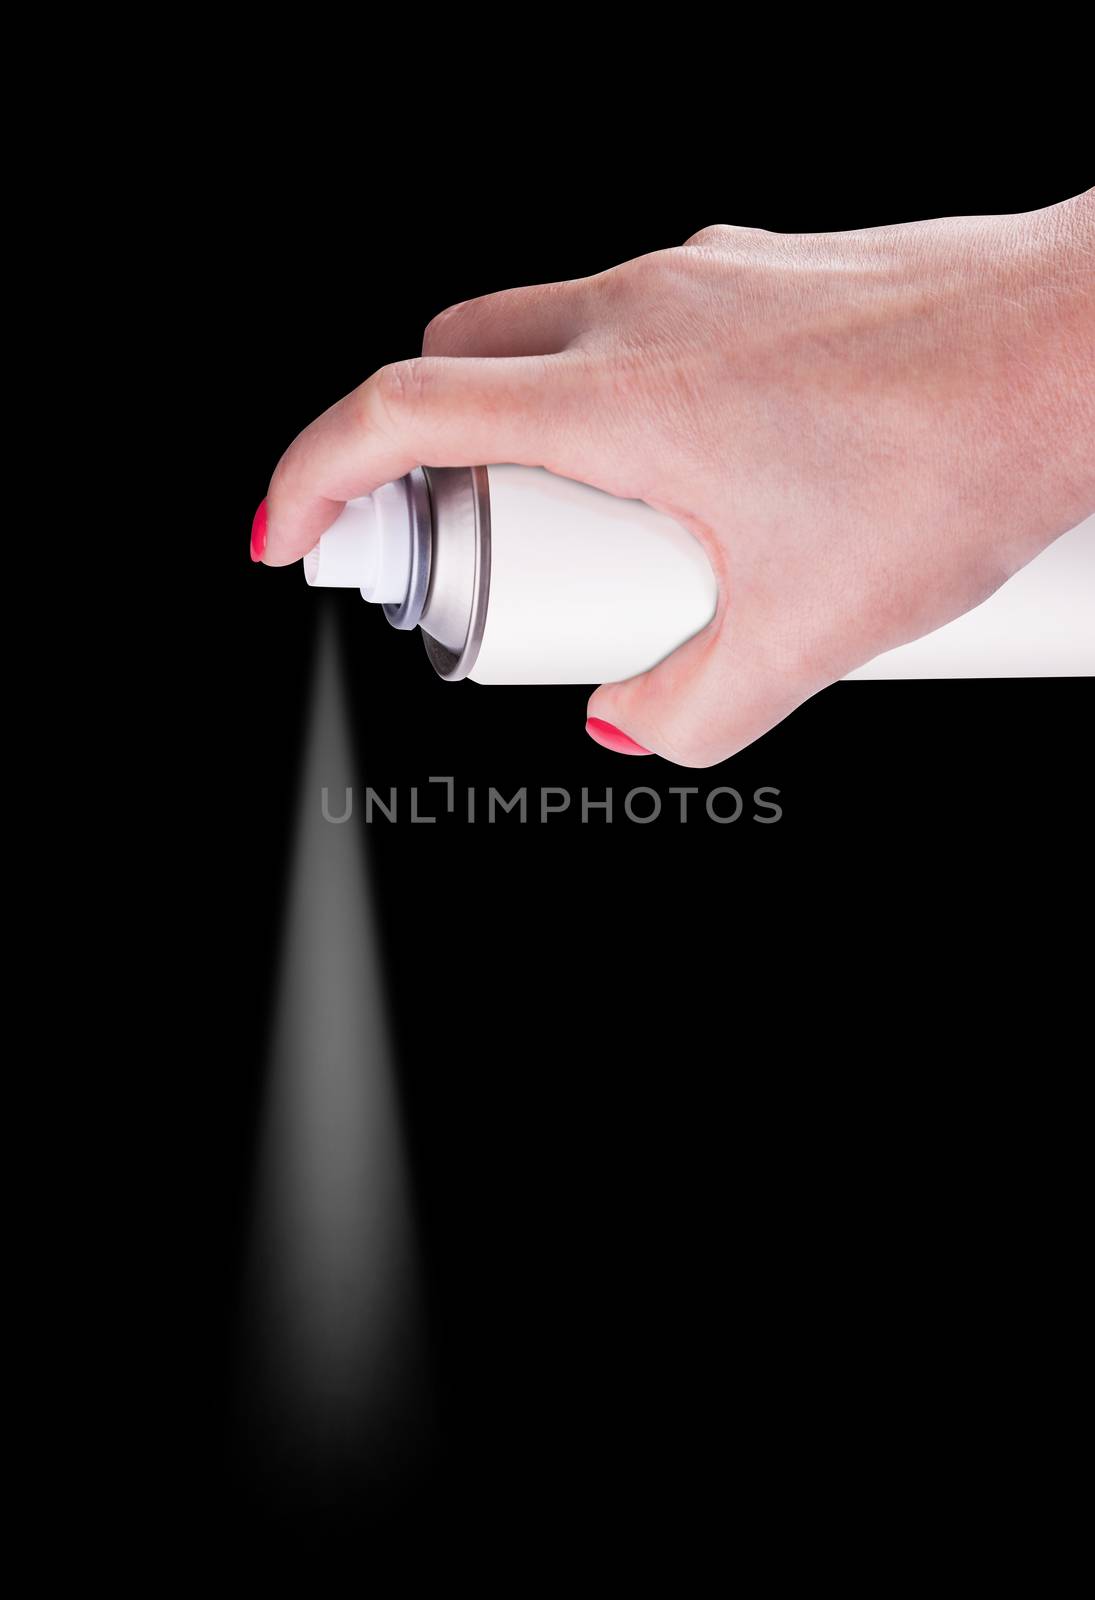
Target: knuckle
x: 658, y: 272
x: 440, y: 328
x: 725, y: 236
x: 571, y: 309
x: 645, y: 268
x: 630, y: 277
x: 715, y: 234
x: 400, y: 387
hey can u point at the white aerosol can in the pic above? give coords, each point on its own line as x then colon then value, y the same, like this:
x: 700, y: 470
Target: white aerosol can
x: 515, y: 575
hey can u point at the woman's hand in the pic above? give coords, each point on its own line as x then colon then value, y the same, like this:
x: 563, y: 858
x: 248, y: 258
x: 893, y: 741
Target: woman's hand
x: 869, y: 432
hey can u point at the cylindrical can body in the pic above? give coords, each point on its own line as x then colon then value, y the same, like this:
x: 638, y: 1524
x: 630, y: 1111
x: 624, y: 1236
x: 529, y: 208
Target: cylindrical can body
x: 515, y: 575
x: 584, y: 587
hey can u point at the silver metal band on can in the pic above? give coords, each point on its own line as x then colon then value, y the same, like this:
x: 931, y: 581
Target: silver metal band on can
x: 454, y: 613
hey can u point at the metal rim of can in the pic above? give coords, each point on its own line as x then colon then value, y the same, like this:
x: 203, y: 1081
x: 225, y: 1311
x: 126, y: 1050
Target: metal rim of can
x: 453, y: 665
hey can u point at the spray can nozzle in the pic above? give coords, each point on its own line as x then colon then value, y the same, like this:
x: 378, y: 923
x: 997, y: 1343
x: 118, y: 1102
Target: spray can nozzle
x: 367, y: 547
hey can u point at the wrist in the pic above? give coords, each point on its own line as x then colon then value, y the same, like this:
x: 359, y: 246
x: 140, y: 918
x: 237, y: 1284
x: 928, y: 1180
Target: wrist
x: 1023, y: 356
x: 1047, y: 292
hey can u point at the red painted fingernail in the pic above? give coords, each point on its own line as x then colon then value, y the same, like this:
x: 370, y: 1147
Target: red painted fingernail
x: 613, y: 739
x: 258, y: 533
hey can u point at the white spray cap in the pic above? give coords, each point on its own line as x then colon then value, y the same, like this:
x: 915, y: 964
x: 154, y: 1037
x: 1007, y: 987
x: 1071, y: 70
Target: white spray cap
x: 367, y: 547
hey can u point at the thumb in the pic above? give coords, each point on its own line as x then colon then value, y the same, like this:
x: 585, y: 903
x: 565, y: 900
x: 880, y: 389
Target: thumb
x: 707, y: 700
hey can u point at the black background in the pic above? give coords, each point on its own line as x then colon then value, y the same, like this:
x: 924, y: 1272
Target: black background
x: 725, y: 1140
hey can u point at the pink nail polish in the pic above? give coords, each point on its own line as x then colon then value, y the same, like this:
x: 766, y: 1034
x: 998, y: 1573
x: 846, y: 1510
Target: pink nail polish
x: 613, y: 739
x: 258, y: 533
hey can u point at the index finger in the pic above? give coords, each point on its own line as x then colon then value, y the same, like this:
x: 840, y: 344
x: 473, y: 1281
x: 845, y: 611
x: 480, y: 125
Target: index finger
x: 441, y: 411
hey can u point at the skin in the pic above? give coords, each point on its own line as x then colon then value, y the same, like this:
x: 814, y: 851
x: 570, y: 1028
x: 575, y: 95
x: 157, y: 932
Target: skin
x: 869, y: 432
